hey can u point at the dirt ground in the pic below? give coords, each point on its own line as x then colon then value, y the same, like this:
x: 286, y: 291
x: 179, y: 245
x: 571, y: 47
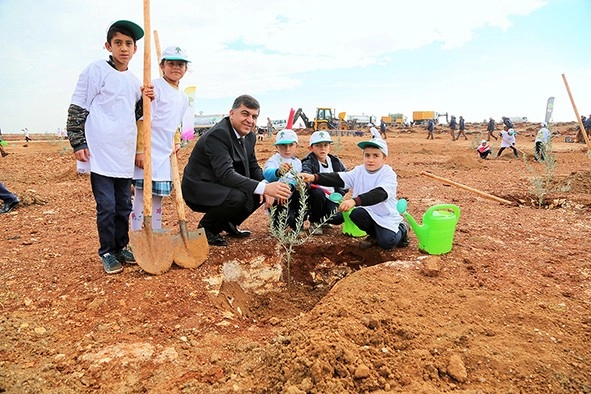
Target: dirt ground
x: 508, y: 310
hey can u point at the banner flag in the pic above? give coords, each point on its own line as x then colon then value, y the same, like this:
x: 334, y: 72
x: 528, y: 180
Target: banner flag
x: 188, y: 126
x: 549, y: 109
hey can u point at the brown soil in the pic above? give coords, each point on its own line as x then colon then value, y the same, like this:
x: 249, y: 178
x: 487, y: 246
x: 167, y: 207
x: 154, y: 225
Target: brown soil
x: 507, y: 310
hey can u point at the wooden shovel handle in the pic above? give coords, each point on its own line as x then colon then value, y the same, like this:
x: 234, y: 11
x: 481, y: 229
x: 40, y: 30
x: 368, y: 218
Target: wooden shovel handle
x: 479, y: 192
x: 158, y: 51
x: 147, y: 108
x: 176, y: 182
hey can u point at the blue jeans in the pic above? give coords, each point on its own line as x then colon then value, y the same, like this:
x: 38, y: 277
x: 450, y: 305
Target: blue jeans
x: 113, y: 206
x: 387, y: 239
x: 6, y: 195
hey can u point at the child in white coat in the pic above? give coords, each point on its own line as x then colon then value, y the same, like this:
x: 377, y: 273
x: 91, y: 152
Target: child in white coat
x: 169, y: 110
x: 283, y: 166
x: 373, y: 201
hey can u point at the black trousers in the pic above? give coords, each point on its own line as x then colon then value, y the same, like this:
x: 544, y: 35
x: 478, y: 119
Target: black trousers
x: 503, y: 148
x: 320, y: 207
x: 236, y: 208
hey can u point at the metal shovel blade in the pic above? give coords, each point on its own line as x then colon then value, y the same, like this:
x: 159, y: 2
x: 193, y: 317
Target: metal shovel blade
x: 190, y: 249
x: 152, y: 250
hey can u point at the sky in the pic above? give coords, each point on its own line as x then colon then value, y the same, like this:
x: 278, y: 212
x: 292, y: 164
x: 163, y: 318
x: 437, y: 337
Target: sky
x: 478, y: 59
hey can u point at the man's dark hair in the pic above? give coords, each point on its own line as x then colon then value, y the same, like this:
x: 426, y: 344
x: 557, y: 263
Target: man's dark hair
x: 118, y: 29
x: 246, y: 100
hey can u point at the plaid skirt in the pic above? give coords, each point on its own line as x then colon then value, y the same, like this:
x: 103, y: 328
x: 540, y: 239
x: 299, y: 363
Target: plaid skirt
x: 159, y: 188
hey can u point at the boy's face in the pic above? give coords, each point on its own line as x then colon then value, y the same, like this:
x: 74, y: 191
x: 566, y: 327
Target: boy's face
x: 287, y: 151
x: 373, y: 158
x: 123, y: 48
x: 320, y: 150
x: 173, y: 70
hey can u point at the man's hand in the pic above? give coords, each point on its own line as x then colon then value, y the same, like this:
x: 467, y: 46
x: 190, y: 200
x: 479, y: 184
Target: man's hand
x: 278, y: 190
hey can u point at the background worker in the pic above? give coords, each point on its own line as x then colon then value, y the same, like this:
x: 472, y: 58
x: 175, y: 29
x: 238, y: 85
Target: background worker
x: 541, y: 142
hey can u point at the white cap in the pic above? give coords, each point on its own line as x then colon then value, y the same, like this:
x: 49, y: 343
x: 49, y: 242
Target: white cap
x: 483, y: 142
x: 174, y: 53
x: 544, y: 124
x: 376, y: 143
x: 320, y: 136
x: 285, y: 137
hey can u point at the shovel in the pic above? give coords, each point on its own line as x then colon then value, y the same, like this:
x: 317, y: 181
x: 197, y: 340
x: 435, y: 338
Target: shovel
x: 152, y: 249
x: 190, y: 249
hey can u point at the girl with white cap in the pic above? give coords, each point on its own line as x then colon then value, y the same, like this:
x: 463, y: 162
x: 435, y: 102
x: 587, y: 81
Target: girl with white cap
x: 170, y: 109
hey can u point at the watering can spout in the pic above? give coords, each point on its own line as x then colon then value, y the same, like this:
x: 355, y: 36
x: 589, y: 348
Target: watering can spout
x: 416, y: 228
x: 419, y: 230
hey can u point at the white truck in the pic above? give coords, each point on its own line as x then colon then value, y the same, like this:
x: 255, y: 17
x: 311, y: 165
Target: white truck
x: 206, y: 122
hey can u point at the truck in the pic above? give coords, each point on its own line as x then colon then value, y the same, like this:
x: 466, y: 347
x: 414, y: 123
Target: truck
x: 422, y: 117
x: 517, y: 119
x: 206, y: 122
x: 278, y: 124
x: 395, y: 120
x: 358, y: 121
x: 325, y: 119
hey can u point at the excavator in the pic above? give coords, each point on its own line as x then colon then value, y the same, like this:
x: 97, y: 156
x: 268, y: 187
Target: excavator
x: 324, y: 120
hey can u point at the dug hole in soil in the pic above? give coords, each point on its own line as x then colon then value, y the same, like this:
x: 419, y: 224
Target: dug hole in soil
x: 507, y: 310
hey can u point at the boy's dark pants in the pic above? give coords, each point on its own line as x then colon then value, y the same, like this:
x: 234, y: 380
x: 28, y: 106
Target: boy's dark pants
x: 321, y: 207
x: 387, y: 239
x: 113, y: 206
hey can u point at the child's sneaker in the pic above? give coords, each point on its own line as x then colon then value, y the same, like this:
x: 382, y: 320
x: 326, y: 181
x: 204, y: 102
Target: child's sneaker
x: 110, y: 264
x: 125, y: 256
x: 405, y: 240
x: 368, y: 242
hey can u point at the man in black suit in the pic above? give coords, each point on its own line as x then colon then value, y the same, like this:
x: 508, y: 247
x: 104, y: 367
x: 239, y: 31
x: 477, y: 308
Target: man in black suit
x: 223, y: 178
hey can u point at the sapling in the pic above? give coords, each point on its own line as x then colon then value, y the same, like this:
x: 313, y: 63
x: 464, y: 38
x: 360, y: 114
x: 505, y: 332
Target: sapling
x: 287, y: 236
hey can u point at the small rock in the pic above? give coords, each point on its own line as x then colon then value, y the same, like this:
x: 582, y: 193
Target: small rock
x: 40, y: 330
x: 456, y: 369
x: 215, y: 357
x: 294, y: 390
x: 362, y: 372
x: 432, y: 266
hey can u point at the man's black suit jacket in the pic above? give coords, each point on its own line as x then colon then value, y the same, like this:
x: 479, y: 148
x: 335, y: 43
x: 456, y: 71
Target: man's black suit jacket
x: 218, y: 164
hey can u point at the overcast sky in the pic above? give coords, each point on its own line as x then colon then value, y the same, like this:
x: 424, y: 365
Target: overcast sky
x: 472, y: 58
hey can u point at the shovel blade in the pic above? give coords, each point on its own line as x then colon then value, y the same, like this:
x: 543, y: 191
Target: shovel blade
x: 190, y: 251
x: 152, y: 250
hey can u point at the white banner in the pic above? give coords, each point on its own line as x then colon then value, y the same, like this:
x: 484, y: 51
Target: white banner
x: 549, y: 109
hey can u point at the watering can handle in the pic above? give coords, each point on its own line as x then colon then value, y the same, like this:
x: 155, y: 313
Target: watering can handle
x: 441, y: 207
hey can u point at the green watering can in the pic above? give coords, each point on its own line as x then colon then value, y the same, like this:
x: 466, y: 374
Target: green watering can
x: 349, y: 228
x: 436, y: 234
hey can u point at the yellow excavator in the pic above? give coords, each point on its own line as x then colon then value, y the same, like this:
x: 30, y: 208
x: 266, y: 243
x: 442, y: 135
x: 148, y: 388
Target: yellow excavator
x: 325, y: 119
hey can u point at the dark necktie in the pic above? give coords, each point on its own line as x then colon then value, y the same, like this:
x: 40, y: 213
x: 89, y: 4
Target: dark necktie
x: 249, y: 205
x: 243, y: 144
